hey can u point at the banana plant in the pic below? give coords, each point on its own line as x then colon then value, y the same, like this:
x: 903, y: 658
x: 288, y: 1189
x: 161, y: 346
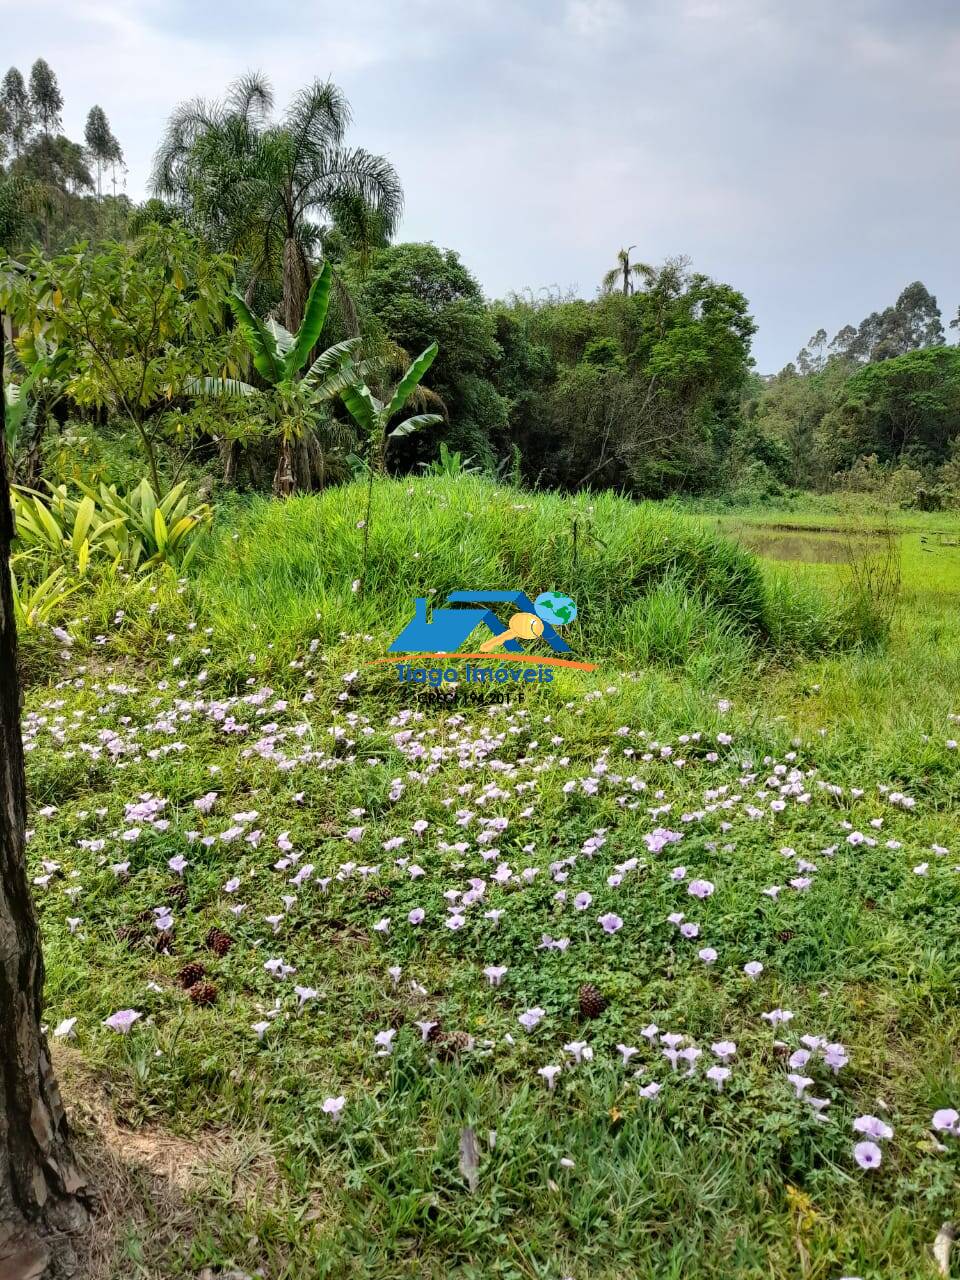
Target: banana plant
x: 280, y: 357
x: 373, y: 415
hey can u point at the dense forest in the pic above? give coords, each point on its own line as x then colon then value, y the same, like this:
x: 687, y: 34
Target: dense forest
x: 127, y: 341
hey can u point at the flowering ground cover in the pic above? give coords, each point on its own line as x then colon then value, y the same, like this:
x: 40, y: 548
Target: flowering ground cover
x: 651, y: 971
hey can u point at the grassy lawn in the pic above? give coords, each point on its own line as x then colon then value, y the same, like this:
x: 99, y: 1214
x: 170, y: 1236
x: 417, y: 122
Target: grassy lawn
x: 741, y: 830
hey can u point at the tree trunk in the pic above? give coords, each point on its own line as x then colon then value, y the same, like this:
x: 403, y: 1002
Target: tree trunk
x: 41, y: 1192
x: 296, y: 283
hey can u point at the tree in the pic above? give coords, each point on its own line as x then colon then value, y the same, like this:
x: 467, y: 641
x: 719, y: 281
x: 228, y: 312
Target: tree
x: 137, y: 320
x: 46, y: 99
x: 279, y: 357
x: 41, y: 1191
x: 907, y: 406
x: 253, y: 185
x: 101, y: 144
x: 17, y: 118
x: 913, y: 322
x: 623, y: 272
x: 415, y: 294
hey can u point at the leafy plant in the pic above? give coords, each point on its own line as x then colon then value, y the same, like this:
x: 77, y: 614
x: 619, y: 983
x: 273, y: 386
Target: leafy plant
x: 62, y: 527
x: 373, y: 415
x: 450, y: 463
x: 279, y: 357
x: 33, y: 605
x: 136, y: 319
x: 149, y: 530
x: 137, y: 530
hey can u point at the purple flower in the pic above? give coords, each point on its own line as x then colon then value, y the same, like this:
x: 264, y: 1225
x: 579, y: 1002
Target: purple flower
x: 384, y: 1041
x: 724, y: 1049
x: 649, y: 1090
x: 582, y: 901
x: 719, y: 1075
x: 610, y: 922
x: 417, y: 915
x: 494, y: 974
x: 333, y: 1106
x: 177, y: 864
x: 700, y: 888
x: 530, y: 1018
x: 690, y: 930
x: 776, y: 1016
x: 872, y: 1127
x: 549, y: 1074
x: 867, y: 1155
x: 946, y: 1120
x: 122, y: 1020
x: 707, y: 955
x: 753, y: 969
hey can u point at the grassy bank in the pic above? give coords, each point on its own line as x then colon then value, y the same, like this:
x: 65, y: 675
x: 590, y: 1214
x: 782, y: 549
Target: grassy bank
x: 694, y: 773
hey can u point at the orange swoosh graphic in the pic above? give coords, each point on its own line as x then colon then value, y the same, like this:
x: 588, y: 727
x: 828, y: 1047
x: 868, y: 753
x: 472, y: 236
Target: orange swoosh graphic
x: 488, y: 657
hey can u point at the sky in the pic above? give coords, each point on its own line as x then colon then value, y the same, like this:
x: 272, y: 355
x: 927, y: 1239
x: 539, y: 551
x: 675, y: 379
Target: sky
x: 805, y: 153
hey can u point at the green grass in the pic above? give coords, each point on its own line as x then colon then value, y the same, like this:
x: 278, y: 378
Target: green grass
x: 696, y: 1183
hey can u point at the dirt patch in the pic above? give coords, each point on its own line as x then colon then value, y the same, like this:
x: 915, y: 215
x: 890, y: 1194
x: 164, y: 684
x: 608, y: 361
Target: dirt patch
x: 149, y: 1183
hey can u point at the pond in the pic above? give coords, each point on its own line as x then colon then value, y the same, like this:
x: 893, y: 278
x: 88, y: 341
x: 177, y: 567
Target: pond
x: 809, y: 545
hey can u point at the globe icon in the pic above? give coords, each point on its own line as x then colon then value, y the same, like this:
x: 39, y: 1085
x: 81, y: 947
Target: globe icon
x: 556, y: 609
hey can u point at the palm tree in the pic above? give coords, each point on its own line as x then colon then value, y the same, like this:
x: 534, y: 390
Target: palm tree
x: 623, y: 272
x: 255, y: 185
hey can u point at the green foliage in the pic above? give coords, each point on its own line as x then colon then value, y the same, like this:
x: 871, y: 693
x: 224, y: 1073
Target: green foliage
x: 449, y: 463
x: 35, y: 604
x: 283, y: 576
x: 417, y: 294
x: 134, y: 321
x: 373, y: 416
x: 252, y: 184
x: 136, y: 531
x: 905, y: 406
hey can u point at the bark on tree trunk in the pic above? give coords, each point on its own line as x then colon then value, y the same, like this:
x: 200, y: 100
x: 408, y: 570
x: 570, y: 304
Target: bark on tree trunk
x: 41, y: 1192
x: 296, y: 283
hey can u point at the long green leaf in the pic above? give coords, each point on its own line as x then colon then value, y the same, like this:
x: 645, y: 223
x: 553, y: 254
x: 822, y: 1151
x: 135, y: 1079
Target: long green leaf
x: 411, y: 379
x: 281, y: 336
x: 315, y: 313
x: 333, y: 358
x: 361, y: 405
x: 258, y: 338
x: 416, y: 423
x: 218, y: 387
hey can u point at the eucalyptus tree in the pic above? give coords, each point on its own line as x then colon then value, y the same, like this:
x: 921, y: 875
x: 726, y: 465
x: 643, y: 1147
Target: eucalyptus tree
x: 17, y: 118
x: 101, y: 144
x: 257, y: 185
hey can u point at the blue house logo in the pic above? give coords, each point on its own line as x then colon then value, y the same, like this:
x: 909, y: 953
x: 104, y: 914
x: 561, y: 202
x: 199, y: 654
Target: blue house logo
x: 447, y: 629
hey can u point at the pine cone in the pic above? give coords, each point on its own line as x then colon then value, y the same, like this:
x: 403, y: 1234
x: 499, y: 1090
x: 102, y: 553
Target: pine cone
x: 203, y: 993
x: 219, y: 942
x: 163, y: 942
x: 380, y: 893
x: 452, y: 1044
x: 592, y: 1003
x: 177, y: 892
x: 130, y: 934
x: 191, y: 974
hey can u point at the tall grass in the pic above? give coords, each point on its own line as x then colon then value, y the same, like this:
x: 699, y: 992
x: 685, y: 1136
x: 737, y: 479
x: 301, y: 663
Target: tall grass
x: 649, y: 584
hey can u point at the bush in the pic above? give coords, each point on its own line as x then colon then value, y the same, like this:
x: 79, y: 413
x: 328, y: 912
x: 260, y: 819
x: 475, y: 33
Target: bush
x: 290, y: 567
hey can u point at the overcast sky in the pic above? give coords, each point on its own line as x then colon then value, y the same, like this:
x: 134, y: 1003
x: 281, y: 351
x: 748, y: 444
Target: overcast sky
x: 804, y: 152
